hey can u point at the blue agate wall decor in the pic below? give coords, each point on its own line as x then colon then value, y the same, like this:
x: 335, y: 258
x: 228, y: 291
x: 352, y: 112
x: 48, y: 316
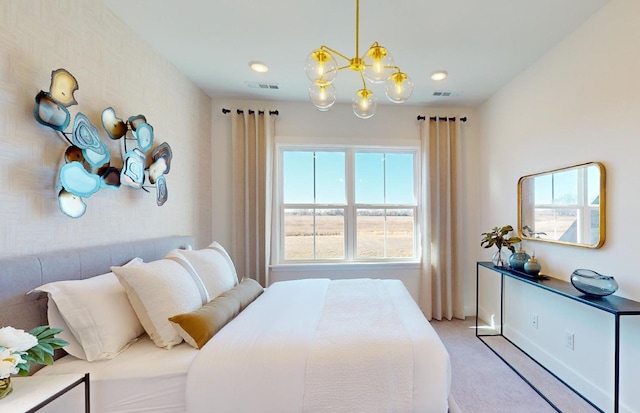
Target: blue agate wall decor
x: 87, y: 161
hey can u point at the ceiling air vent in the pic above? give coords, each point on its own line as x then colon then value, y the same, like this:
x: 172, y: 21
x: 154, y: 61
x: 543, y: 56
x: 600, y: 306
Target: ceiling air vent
x: 446, y: 94
x: 257, y: 85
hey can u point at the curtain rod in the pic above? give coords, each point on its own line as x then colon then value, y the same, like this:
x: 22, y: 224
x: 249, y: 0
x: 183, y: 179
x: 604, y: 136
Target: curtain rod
x: 251, y: 112
x: 462, y: 119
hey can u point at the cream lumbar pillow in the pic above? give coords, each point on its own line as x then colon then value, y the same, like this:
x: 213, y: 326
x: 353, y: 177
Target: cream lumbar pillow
x: 213, y: 266
x: 157, y: 290
x: 197, y: 327
x: 96, y: 312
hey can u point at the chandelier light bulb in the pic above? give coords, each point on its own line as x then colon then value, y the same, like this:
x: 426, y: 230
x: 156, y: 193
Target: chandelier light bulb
x: 378, y: 64
x: 320, y: 64
x: 322, y: 95
x: 398, y: 87
x: 364, y: 104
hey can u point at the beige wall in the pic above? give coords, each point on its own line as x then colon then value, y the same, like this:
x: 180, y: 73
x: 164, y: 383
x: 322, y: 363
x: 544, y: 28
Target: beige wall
x: 578, y: 103
x: 113, y: 68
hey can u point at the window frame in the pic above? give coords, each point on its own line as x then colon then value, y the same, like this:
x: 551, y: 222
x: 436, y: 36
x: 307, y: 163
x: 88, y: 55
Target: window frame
x: 350, y: 207
x: 583, y: 209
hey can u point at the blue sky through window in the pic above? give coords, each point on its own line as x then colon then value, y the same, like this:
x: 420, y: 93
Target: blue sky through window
x: 374, y: 183
x: 562, y: 187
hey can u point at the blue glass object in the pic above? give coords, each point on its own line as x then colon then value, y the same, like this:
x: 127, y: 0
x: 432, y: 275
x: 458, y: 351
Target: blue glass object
x: 161, y: 190
x: 532, y: 266
x: 50, y: 113
x: 85, y: 136
x: 78, y: 181
x: 593, y: 283
x: 136, y: 120
x: 132, y: 173
x: 518, y: 259
x: 144, y: 136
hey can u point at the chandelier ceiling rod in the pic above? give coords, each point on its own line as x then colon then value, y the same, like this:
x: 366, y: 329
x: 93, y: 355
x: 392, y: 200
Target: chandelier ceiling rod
x: 357, y: 28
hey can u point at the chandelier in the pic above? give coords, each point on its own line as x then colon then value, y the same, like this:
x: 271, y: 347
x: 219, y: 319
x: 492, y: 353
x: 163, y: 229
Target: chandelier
x: 376, y: 65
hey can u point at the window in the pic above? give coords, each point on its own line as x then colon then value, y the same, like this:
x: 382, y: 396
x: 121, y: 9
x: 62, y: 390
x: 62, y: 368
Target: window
x: 347, y: 204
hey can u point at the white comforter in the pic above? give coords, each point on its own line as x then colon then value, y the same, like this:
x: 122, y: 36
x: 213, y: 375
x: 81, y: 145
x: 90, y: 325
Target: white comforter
x: 323, y: 346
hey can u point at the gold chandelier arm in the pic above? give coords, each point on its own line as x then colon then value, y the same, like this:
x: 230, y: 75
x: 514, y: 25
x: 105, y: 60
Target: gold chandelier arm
x: 375, y: 44
x: 328, y: 49
x: 364, y: 84
x: 396, y: 68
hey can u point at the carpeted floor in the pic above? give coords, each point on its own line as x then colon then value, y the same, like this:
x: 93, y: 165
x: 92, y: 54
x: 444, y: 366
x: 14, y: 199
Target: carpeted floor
x: 481, y: 382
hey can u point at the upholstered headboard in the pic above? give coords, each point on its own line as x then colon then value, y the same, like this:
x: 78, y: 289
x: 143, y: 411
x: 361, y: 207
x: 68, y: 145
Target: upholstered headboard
x: 20, y: 275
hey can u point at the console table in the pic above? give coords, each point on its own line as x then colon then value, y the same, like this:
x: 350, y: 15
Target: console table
x: 614, y: 305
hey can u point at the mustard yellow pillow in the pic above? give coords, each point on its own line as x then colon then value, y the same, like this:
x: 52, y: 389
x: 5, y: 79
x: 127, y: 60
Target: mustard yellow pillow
x: 247, y: 291
x: 197, y: 327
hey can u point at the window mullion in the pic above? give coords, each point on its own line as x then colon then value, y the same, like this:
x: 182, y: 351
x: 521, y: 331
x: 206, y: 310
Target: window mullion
x: 384, y: 200
x: 350, y: 213
x: 315, y: 231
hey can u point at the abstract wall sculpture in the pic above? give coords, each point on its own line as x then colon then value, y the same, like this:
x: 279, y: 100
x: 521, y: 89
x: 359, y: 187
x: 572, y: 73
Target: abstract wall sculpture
x: 87, y: 164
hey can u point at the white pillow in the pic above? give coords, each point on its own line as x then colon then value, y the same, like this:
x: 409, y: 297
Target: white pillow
x: 56, y: 321
x: 158, y: 290
x: 96, y: 312
x: 213, y: 266
x: 204, y: 294
x: 216, y: 246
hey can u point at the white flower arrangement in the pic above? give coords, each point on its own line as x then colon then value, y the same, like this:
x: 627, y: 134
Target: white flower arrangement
x: 19, y: 348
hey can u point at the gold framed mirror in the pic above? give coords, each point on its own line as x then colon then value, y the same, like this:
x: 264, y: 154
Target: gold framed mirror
x: 564, y: 206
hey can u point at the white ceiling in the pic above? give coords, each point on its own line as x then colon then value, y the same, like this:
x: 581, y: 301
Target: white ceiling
x: 483, y: 44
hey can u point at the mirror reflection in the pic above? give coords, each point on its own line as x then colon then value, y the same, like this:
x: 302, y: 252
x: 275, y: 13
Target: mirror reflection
x: 564, y: 206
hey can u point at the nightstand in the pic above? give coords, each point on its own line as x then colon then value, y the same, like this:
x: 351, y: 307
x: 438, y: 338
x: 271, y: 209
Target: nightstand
x: 30, y: 394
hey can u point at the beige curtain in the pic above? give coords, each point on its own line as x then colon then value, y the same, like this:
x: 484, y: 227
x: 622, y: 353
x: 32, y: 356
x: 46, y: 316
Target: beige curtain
x: 441, y: 278
x: 252, y: 151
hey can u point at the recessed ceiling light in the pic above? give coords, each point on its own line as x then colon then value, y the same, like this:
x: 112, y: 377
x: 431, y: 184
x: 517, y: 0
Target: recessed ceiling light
x: 258, y: 67
x: 439, y: 75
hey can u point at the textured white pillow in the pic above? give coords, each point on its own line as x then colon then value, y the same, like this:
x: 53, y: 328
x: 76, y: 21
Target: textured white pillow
x: 213, y: 266
x: 98, y: 314
x: 216, y: 246
x: 204, y: 294
x: 158, y: 290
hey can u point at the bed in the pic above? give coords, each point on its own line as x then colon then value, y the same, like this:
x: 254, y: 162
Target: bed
x: 312, y: 345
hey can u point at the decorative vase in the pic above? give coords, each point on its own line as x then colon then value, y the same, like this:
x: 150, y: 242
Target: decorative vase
x: 532, y: 266
x: 593, y: 283
x: 518, y: 259
x: 499, y: 259
x: 5, y: 387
